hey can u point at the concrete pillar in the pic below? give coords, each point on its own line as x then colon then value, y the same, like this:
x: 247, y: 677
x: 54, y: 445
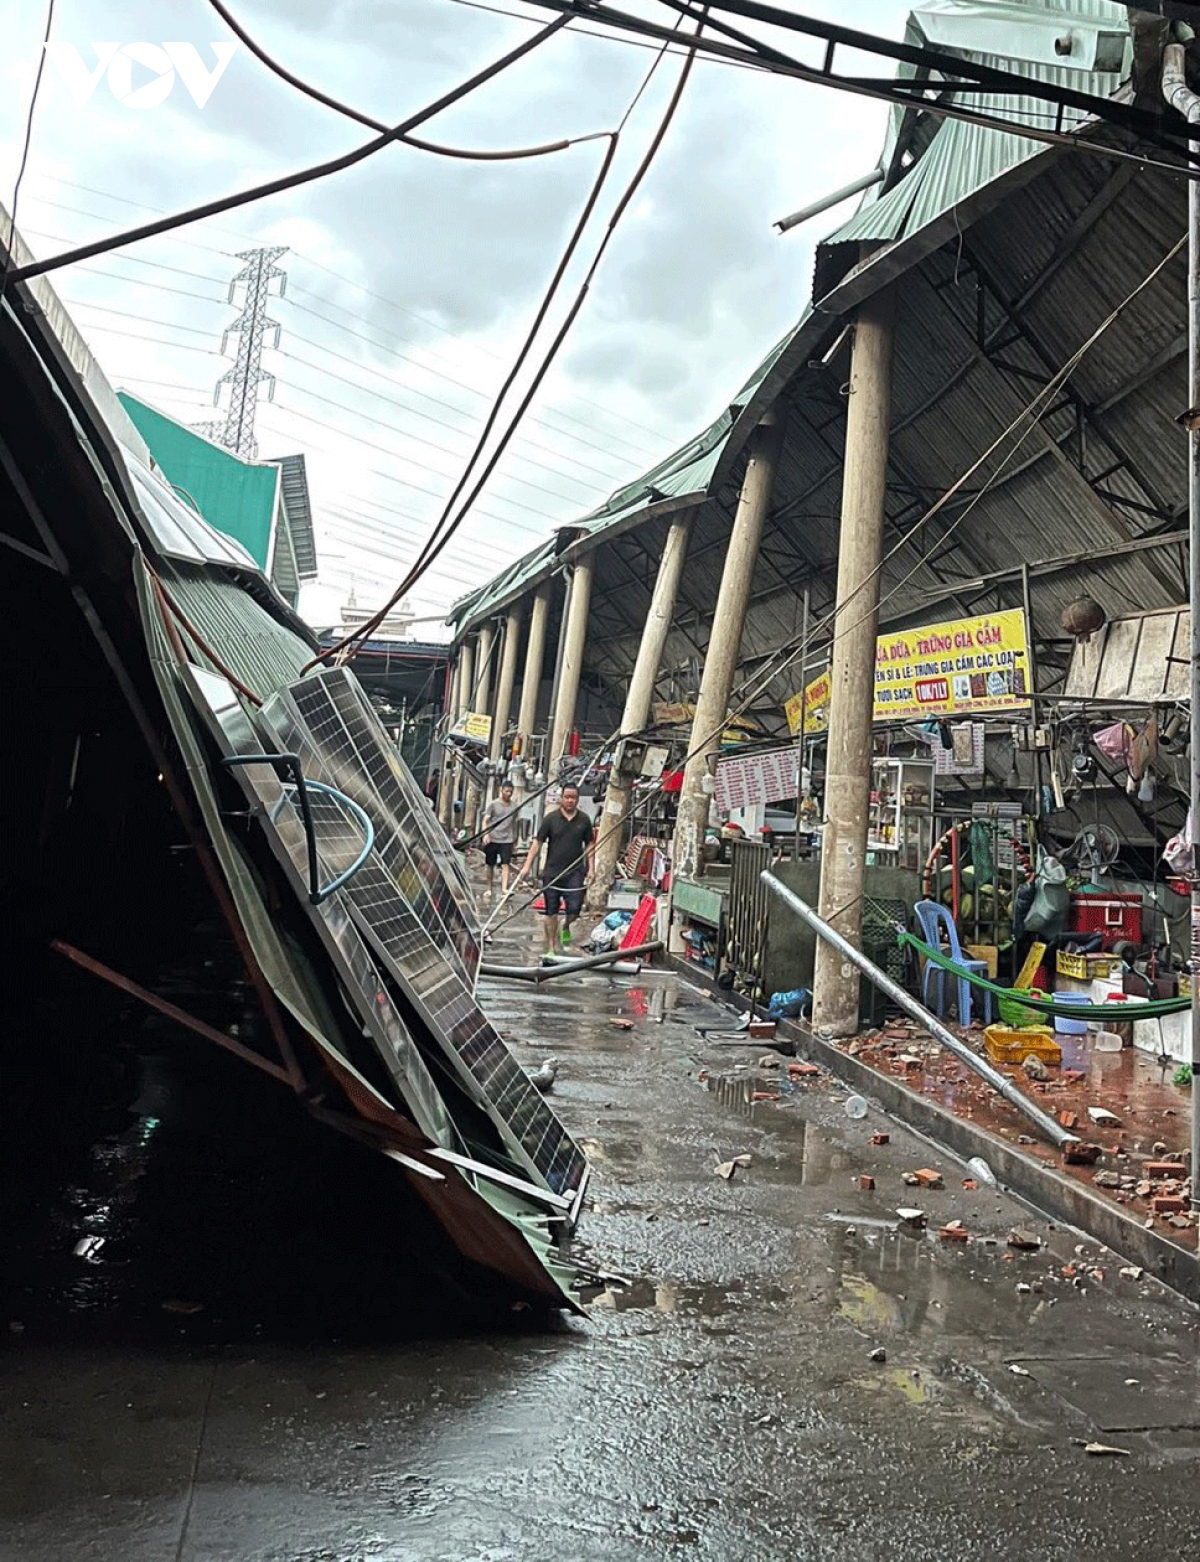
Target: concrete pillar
x: 535, y: 655
x: 721, y: 657
x: 570, y: 659
x: 466, y: 682
x: 641, y: 692
x: 856, y: 626
x: 504, y: 684
x: 446, y: 780
x: 480, y: 698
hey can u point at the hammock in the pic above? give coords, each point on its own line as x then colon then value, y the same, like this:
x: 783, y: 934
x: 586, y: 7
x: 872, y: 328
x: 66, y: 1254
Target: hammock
x: 1151, y: 1010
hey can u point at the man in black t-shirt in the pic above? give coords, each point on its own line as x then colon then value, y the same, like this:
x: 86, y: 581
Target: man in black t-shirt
x: 570, y: 862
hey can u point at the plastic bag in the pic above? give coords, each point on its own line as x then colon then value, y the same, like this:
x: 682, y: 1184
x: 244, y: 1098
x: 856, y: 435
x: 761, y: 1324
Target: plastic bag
x: 1179, y: 853
x: 1047, y: 916
x: 794, y: 1004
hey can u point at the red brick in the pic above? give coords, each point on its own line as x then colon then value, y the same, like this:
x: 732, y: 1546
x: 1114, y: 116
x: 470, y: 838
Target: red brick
x: 954, y: 1233
x: 1080, y: 1154
x: 867, y: 1184
x: 1069, y: 1119
x: 881, y: 1138
x: 803, y: 1070
x: 970, y: 1184
x: 928, y: 1178
x: 1164, y: 1169
x: 1169, y: 1204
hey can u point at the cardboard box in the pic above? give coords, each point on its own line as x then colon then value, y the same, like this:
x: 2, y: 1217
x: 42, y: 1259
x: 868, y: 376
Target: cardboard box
x: 988, y: 952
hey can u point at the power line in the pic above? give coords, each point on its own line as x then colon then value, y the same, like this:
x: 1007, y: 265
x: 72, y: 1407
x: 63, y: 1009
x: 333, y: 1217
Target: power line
x: 25, y: 145
x: 644, y: 452
x: 289, y: 181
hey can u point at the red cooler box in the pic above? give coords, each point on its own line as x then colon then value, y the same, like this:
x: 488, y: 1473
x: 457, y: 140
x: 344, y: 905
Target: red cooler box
x: 1118, y: 917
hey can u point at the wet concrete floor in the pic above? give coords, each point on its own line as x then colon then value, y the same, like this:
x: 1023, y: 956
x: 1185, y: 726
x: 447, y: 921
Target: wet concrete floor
x: 722, y: 1403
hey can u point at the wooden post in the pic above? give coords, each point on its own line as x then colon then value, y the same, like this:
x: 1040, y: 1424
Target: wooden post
x: 720, y: 659
x: 570, y: 660
x: 852, y: 675
x: 641, y: 692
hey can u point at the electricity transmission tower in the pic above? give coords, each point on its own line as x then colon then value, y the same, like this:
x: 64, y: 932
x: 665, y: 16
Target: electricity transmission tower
x: 246, y: 374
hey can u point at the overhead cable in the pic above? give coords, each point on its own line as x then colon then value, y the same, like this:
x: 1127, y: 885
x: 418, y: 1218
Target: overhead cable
x: 302, y: 176
x: 446, y: 526
x: 25, y: 145
x: 470, y: 154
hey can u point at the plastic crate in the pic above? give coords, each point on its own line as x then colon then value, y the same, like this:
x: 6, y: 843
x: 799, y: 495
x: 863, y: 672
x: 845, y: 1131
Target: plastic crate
x: 1071, y: 965
x: 1006, y: 1045
x: 1117, y: 917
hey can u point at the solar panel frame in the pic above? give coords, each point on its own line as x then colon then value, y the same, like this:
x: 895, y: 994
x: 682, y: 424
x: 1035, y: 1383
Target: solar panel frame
x: 355, y: 965
x: 416, y: 918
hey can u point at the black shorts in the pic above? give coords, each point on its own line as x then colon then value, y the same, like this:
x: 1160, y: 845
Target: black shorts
x: 498, y: 853
x: 568, y: 892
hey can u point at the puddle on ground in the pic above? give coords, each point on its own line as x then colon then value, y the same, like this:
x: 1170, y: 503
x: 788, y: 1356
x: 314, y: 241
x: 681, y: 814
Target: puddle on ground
x: 673, y: 1296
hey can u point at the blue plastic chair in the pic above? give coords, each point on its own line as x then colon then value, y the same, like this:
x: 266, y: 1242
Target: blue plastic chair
x: 936, y: 920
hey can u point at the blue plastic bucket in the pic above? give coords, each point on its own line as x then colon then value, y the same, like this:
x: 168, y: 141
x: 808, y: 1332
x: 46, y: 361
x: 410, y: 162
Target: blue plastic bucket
x: 1063, y: 1024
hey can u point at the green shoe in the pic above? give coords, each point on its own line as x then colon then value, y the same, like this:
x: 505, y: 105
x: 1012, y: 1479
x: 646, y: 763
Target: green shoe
x: 564, y: 938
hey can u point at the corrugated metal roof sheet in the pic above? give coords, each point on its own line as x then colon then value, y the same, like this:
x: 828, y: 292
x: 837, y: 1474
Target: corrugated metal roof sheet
x: 958, y: 161
x: 294, y: 482
x: 261, y: 651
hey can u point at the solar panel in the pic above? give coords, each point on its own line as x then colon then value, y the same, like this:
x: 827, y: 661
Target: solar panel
x: 412, y: 902
x: 341, y: 937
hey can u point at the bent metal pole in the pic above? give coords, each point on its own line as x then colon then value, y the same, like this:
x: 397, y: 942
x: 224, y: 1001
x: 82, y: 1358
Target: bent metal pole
x: 1180, y: 96
x: 1053, y: 1130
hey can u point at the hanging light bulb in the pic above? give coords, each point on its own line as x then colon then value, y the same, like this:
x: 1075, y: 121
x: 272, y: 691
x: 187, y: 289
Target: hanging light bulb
x: 1147, y: 789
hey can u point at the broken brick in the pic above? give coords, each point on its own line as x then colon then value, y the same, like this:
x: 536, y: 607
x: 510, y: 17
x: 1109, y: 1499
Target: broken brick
x: 802, y: 1070
x: 954, y: 1231
x: 1025, y: 1240
x: 970, y: 1184
x: 928, y: 1178
x: 867, y: 1184
x: 1069, y: 1119
x: 1080, y: 1154
x: 881, y: 1138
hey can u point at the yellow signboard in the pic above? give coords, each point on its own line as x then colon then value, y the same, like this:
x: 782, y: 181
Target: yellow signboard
x: 815, y: 704
x: 967, y: 666
x: 474, y: 725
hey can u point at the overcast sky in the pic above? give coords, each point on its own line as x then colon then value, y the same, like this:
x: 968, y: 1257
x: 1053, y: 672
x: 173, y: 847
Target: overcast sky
x: 411, y: 278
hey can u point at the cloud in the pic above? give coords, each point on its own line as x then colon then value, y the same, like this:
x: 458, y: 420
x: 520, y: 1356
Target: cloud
x: 412, y: 277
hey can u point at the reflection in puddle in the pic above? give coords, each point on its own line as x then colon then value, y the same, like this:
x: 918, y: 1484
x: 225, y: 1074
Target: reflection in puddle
x: 671, y: 1296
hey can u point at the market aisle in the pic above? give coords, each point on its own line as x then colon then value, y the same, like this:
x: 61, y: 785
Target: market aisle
x: 722, y: 1404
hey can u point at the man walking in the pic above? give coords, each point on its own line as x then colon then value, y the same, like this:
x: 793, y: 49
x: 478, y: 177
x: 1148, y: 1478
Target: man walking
x: 570, y: 862
x: 499, y: 837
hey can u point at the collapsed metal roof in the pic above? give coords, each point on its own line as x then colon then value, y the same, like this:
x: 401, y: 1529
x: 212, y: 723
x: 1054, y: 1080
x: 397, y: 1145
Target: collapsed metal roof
x: 1006, y: 256
x: 356, y: 924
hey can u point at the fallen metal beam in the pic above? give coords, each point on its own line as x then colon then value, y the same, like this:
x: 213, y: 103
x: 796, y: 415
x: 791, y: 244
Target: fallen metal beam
x: 180, y: 1016
x: 1053, y: 1130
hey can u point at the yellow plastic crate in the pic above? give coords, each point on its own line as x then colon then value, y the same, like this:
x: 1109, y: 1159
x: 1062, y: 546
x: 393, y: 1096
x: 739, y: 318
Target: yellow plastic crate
x: 1085, y: 967
x: 1004, y: 1044
x: 1071, y: 965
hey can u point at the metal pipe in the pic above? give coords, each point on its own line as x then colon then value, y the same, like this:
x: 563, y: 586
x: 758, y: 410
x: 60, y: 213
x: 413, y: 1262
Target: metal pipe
x: 826, y: 201
x: 1180, y: 96
x: 544, y: 973
x: 1053, y: 1130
